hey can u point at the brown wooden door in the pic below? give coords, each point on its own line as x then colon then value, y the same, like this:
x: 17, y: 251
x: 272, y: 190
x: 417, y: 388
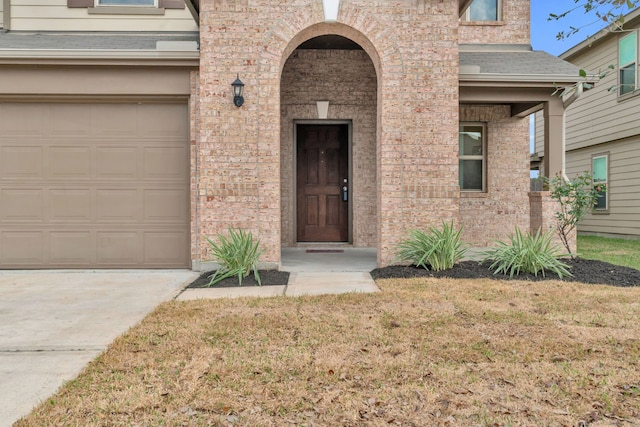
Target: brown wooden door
x: 322, y: 168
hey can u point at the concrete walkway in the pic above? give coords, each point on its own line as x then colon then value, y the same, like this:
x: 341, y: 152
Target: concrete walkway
x: 313, y: 272
x: 53, y: 323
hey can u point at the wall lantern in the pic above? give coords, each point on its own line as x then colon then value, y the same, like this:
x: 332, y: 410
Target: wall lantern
x: 238, y: 89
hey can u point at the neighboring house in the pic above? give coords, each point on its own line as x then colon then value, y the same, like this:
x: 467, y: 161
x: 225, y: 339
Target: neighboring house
x: 121, y: 145
x: 603, y: 130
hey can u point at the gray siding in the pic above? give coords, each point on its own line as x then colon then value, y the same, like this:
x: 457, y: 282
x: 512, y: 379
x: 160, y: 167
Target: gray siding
x: 601, y: 122
x: 539, y: 133
x: 1, y: 13
x: 600, y: 116
x: 54, y: 15
x: 624, y: 186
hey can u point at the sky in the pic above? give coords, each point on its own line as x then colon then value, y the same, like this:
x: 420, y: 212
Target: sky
x: 543, y: 32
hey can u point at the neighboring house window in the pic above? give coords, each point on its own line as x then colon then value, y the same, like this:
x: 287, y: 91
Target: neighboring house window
x: 471, y: 157
x: 599, y: 171
x: 627, y: 63
x: 484, y: 10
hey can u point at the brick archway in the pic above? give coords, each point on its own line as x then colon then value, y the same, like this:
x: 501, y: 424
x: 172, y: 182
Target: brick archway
x: 413, y: 48
x: 349, y: 25
x: 347, y: 80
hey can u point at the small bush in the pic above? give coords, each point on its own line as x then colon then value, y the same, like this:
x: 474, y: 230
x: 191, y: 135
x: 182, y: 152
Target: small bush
x: 527, y: 254
x: 575, y: 198
x: 237, y: 255
x: 437, y: 249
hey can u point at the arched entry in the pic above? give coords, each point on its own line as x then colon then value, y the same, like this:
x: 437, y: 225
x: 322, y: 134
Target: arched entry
x: 328, y: 133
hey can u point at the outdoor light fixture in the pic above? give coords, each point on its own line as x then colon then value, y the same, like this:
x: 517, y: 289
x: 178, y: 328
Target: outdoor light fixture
x: 238, y: 89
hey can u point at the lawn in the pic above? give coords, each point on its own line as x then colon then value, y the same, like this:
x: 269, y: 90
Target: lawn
x: 614, y: 251
x: 422, y: 352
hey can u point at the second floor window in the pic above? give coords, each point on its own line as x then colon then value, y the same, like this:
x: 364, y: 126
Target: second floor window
x: 484, y: 10
x: 627, y: 63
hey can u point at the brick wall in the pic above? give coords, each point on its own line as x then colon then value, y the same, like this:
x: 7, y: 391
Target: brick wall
x: 513, y: 29
x: 413, y: 47
x: 505, y: 205
x: 347, y: 79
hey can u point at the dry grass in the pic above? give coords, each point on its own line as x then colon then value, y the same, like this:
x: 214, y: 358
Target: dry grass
x: 423, y: 352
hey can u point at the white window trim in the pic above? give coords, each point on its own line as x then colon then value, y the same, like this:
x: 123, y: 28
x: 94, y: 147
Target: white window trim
x: 620, y: 67
x: 467, y: 13
x: 100, y: 5
x: 482, y: 157
x: 606, y: 182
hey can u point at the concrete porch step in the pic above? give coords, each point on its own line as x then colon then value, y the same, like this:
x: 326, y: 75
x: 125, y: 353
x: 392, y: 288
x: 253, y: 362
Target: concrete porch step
x: 300, y: 283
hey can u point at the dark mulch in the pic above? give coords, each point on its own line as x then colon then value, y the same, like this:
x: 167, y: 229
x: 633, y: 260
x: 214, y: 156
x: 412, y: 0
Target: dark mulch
x: 267, y: 277
x: 583, y: 270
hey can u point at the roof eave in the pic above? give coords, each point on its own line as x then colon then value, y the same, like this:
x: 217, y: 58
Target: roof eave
x: 100, y: 57
x: 526, y: 79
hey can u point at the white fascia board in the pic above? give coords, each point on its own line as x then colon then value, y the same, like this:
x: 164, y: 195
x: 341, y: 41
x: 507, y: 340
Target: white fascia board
x: 524, y: 78
x: 100, y: 57
x: 97, y: 54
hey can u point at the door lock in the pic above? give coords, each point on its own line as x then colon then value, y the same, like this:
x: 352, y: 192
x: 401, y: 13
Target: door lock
x: 345, y: 191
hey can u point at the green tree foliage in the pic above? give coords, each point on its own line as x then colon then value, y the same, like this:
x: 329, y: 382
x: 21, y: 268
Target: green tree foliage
x: 607, y: 11
x: 576, y: 198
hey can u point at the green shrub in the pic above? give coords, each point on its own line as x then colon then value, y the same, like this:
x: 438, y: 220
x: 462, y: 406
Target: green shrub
x: 575, y: 198
x: 527, y: 254
x: 438, y: 249
x: 237, y: 255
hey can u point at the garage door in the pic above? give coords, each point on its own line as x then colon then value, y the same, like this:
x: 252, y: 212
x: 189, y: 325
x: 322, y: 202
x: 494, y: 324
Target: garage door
x: 94, y: 185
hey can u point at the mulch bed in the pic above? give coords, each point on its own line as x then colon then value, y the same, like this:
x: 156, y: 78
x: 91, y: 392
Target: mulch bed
x: 267, y: 277
x: 583, y: 270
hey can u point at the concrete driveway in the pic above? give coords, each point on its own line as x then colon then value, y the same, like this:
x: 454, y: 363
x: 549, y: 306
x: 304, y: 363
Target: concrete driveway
x: 52, y: 323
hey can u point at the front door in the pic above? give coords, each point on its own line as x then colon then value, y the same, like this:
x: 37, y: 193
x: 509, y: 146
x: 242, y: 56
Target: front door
x: 322, y: 181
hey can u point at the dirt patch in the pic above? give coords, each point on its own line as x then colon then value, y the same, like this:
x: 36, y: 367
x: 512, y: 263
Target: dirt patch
x: 583, y: 270
x: 267, y: 277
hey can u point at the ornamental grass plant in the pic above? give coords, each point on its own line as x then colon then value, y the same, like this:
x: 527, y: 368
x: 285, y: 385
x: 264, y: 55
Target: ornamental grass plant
x: 527, y: 253
x: 437, y: 249
x: 236, y: 254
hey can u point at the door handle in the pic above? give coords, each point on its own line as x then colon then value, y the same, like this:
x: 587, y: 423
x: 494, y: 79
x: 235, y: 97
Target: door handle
x: 345, y: 191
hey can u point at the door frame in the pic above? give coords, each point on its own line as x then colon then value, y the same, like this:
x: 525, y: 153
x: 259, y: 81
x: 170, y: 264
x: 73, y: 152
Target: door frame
x: 319, y: 122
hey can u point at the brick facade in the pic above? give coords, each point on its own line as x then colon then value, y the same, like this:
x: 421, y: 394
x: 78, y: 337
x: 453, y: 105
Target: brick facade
x: 402, y: 105
x: 490, y: 215
x: 514, y: 28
